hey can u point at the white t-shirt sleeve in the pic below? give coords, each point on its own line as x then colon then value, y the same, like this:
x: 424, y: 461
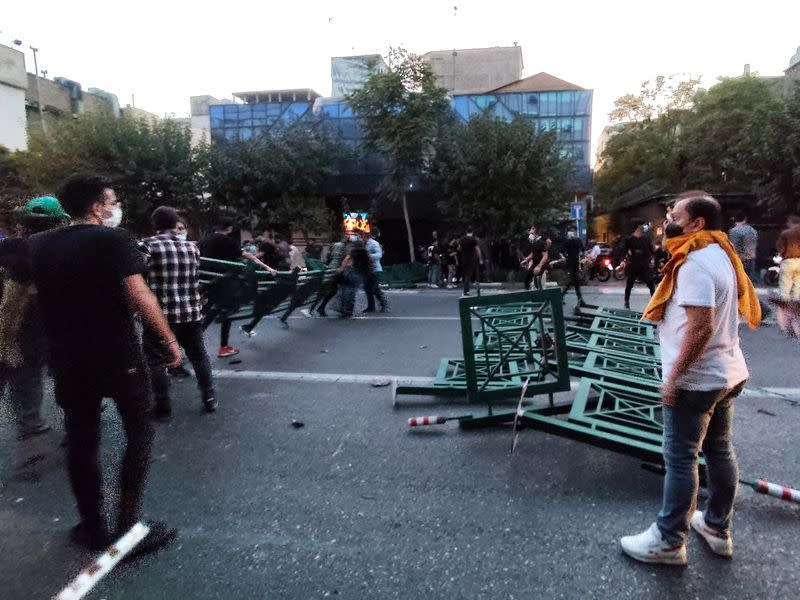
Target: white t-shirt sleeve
x: 695, y: 286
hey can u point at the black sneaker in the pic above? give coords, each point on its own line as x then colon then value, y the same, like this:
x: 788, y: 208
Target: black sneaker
x: 95, y: 539
x: 159, y: 536
x: 210, y: 404
x: 180, y: 372
x: 321, y: 312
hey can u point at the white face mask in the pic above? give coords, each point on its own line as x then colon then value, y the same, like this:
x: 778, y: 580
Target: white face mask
x: 531, y: 237
x: 181, y: 236
x: 115, y: 219
x: 571, y: 234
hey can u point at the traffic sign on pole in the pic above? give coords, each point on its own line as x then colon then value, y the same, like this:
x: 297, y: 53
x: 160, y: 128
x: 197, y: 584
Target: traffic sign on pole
x: 577, y: 211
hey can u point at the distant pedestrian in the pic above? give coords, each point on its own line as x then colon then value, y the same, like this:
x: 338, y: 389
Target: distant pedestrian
x: 221, y: 245
x: 788, y: 246
x: 639, y: 254
x: 433, y: 262
x: 174, y: 278
x: 573, y: 252
x: 744, y: 239
x: 471, y: 259
x: 536, y: 259
x: 89, y: 282
x: 372, y: 285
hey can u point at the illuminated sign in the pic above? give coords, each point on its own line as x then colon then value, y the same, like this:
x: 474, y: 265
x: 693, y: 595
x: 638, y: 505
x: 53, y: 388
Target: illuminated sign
x: 354, y: 222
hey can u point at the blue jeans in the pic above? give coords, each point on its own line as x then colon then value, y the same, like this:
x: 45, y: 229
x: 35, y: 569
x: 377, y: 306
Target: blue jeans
x: 433, y: 274
x: 699, y: 420
x: 351, y: 282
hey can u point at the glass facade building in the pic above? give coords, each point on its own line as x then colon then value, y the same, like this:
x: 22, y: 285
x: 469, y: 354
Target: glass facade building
x: 568, y: 113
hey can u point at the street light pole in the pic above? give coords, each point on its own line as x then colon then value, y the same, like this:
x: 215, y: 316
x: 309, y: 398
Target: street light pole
x: 38, y: 90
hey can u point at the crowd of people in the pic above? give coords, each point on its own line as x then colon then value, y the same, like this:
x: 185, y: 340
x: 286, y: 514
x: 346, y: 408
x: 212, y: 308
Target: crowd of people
x: 109, y: 316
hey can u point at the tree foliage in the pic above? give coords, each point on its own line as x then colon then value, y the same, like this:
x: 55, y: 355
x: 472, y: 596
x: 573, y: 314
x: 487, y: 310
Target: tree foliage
x: 400, y: 111
x: 150, y: 161
x: 737, y: 136
x: 273, y: 180
x: 491, y: 173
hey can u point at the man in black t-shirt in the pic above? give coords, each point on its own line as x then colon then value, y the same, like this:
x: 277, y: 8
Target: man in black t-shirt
x: 536, y: 257
x: 639, y: 253
x: 221, y: 246
x: 573, y: 251
x: 89, y: 282
x: 470, y: 259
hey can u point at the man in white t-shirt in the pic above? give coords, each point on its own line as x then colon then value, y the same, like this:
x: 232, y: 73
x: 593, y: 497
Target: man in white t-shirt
x: 704, y: 370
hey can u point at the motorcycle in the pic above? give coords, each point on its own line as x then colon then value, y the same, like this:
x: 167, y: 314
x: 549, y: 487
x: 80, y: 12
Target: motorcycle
x: 601, y: 268
x: 773, y: 274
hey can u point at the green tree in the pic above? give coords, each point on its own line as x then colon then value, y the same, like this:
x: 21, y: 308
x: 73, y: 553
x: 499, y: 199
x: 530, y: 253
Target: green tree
x: 730, y: 136
x: 656, y: 98
x: 493, y: 174
x: 400, y: 111
x: 151, y: 162
x: 273, y: 180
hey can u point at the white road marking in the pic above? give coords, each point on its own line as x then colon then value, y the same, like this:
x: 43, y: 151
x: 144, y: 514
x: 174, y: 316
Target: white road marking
x: 789, y: 393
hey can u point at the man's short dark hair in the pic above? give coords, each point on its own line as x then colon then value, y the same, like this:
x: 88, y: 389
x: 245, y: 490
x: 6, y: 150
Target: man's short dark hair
x: 80, y: 192
x: 701, y: 204
x: 164, y: 217
x: 740, y: 217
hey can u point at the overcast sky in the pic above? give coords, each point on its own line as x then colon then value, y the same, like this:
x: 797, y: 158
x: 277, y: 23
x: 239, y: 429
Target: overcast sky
x: 164, y: 52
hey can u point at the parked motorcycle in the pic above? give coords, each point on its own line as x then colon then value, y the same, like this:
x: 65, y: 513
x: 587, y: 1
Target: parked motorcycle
x: 601, y: 268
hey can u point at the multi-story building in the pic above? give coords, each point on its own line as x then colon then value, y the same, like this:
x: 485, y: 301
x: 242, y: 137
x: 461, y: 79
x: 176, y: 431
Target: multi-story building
x: 13, y: 83
x: 481, y: 81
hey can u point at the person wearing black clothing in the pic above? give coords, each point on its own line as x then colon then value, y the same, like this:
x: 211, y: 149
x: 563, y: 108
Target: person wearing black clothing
x: 536, y: 257
x: 573, y: 251
x: 221, y: 246
x: 470, y: 259
x: 355, y: 272
x: 89, y: 282
x: 639, y: 253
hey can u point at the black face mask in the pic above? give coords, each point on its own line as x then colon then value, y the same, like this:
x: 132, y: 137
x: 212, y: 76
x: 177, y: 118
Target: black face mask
x: 673, y: 230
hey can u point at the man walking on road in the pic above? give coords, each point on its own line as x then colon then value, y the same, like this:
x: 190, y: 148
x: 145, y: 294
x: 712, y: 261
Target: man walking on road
x: 788, y: 246
x: 470, y: 259
x: 89, y: 282
x: 174, y: 278
x: 536, y: 259
x: 744, y: 239
x: 573, y: 251
x: 639, y: 253
x: 697, y: 307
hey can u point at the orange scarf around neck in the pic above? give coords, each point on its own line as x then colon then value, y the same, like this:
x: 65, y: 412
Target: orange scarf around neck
x: 679, y: 248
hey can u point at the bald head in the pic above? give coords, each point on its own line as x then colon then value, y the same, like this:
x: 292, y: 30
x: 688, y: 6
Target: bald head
x: 697, y: 205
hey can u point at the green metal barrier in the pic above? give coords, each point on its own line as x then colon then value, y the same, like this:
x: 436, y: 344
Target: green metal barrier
x: 507, y: 339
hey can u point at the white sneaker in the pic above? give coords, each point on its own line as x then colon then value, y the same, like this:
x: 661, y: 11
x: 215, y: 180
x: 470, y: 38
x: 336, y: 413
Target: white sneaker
x: 650, y: 547
x: 720, y: 543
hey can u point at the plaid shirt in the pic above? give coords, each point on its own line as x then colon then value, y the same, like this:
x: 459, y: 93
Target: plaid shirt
x: 174, y: 277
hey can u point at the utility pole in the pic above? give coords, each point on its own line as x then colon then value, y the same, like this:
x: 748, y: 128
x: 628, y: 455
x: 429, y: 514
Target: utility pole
x: 38, y: 90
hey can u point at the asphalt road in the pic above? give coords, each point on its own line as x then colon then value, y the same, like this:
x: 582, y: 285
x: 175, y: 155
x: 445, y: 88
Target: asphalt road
x: 354, y: 505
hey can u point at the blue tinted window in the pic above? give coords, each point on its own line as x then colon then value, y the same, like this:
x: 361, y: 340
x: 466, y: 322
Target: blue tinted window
x: 565, y: 103
x: 232, y: 134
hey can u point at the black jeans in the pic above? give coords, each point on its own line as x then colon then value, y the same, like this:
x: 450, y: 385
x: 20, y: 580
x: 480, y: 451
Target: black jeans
x: 573, y: 280
x: 190, y: 338
x: 536, y: 279
x: 80, y: 395
x: 225, y: 326
x: 468, y: 272
x: 643, y: 272
x: 373, y: 289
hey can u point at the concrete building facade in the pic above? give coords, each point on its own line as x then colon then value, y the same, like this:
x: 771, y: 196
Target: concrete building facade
x: 13, y: 83
x: 476, y: 70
